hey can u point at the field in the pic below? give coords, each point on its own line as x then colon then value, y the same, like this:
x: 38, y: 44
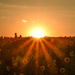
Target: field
x: 31, y: 56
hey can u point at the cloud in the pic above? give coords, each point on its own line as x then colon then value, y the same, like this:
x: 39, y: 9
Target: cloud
x: 4, y: 17
x: 11, y: 5
x: 24, y: 21
x: 44, y: 3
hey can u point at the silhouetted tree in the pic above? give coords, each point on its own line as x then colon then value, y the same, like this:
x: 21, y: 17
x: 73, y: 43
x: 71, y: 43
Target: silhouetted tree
x: 15, y: 35
x: 20, y: 35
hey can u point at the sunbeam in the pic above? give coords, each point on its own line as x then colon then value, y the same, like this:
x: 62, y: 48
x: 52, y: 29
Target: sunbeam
x: 48, y: 59
x: 36, y: 61
x: 54, y: 49
x: 20, y: 48
x: 26, y: 43
x: 29, y: 51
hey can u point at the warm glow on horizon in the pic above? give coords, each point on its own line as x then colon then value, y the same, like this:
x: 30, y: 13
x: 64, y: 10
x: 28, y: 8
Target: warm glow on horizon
x: 38, y: 33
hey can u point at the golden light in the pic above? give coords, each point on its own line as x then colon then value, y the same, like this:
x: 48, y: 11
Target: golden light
x: 38, y: 33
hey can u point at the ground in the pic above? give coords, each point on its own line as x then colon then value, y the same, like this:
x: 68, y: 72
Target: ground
x: 43, y: 56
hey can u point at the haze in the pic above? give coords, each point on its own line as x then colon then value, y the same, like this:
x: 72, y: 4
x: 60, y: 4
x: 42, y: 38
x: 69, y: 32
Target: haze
x: 56, y: 17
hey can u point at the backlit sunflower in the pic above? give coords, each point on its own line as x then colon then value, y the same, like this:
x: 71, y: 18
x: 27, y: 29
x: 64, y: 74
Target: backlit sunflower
x: 62, y: 70
x: 42, y: 68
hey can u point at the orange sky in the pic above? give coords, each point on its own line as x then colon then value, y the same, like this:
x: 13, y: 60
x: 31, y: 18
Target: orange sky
x: 55, y: 17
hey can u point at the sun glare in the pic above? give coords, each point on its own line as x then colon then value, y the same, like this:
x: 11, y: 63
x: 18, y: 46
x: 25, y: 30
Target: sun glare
x: 38, y: 33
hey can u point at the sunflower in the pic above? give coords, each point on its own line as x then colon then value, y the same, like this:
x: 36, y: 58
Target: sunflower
x: 54, y: 61
x: 13, y: 58
x: 25, y: 61
x: 62, y: 70
x: 7, y: 51
x: 8, y: 68
x: 42, y: 68
x: 67, y: 60
x: 71, y: 53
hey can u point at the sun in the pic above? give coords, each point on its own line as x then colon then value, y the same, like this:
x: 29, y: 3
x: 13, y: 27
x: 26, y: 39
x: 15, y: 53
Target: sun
x: 38, y: 33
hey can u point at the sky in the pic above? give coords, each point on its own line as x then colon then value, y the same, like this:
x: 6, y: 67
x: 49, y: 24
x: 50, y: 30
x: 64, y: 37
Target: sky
x: 55, y: 17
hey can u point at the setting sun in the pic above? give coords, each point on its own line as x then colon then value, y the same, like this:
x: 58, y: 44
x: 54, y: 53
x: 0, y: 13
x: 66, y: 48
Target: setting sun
x: 37, y: 33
